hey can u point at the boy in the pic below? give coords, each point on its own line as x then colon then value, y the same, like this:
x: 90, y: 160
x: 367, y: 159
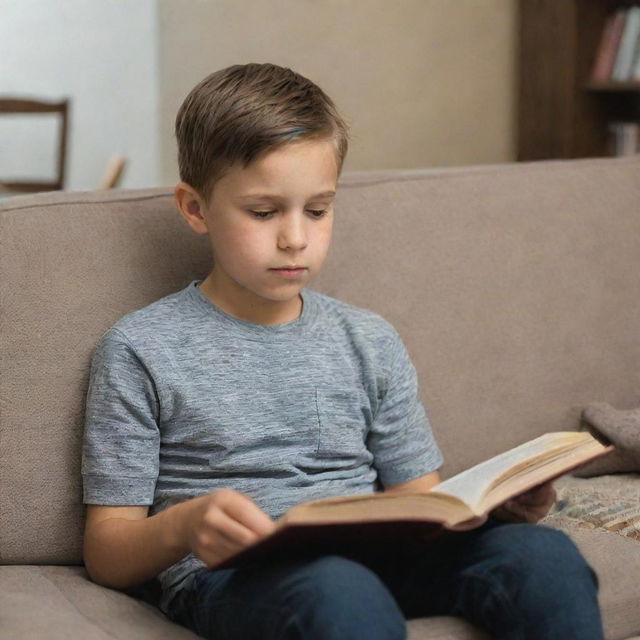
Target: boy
x: 215, y: 409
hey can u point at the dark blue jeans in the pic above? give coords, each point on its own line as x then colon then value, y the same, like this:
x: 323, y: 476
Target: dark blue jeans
x: 515, y: 581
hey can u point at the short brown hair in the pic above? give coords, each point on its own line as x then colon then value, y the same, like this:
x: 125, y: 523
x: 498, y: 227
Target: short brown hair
x: 236, y: 113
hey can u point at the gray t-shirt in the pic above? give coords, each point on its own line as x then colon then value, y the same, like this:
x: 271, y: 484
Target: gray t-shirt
x: 185, y: 399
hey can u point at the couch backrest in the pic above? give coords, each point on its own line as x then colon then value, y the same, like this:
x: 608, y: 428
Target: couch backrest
x: 515, y: 287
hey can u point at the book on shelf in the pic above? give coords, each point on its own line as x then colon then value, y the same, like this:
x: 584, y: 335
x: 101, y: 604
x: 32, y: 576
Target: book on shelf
x: 624, y: 64
x: 360, y: 525
x: 635, y: 67
x: 618, y: 55
x: 624, y: 138
x: 608, y: 48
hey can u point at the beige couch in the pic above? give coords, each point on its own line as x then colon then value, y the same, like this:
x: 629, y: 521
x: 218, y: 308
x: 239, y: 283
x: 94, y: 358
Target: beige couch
x: 515, y: 287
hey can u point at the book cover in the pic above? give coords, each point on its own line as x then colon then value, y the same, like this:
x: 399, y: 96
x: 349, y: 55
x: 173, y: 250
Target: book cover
x: 607, y: 57
x: 364, y: 524
x: 602, y: 63
x: 623, y: 66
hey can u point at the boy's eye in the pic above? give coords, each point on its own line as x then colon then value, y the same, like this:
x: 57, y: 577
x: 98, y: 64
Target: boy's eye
x: 263, y: 215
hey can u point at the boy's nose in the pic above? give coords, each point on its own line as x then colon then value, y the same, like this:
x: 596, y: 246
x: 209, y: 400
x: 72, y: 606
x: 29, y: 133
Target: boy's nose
x: 292, y: 233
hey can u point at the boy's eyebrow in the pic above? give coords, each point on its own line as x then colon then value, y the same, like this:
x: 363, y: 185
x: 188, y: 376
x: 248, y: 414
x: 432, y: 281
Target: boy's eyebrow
x: 272, y: 196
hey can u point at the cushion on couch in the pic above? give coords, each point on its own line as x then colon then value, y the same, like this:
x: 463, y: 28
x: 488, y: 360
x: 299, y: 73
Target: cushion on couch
x: 513, y: 286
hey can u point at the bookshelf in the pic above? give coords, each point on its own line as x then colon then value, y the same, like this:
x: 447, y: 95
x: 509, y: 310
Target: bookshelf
x: 561, y: 113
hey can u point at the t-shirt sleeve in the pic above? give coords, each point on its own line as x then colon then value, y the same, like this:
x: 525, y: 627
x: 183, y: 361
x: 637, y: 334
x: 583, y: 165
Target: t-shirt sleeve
x: 120, y: 453
x: 401, y: 438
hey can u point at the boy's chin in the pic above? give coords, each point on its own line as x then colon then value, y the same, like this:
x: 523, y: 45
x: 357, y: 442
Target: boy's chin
x: 282, y: 298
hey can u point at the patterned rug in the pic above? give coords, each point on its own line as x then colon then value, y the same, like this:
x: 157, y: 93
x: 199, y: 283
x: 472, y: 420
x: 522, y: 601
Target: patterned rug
x: 609, y: 503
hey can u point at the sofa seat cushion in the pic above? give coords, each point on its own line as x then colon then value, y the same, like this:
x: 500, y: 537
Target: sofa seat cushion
x: 443, y: 628
x: 60, y: 602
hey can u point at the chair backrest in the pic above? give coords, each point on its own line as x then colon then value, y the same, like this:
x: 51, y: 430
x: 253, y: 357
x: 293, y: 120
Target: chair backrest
x: 113, y: 172
x: 12, y: 106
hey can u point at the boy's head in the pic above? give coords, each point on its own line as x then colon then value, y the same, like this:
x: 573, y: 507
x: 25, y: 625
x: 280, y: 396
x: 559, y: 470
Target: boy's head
x: 260, y: 151
x: 237, y: 113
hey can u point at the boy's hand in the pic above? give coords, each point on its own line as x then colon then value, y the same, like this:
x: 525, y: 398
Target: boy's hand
x: 531, y: 506
x: 224, y: 522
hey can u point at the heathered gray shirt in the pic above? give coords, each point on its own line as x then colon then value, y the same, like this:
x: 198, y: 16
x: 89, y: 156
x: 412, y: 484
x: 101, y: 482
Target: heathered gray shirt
x: 185, y: 399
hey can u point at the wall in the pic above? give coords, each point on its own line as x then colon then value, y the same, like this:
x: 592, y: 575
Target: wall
x: 102, y: 54
x: 422, y: 82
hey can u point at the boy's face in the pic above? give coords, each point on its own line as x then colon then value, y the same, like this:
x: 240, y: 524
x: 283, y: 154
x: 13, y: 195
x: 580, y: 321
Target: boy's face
x: 275, y: 213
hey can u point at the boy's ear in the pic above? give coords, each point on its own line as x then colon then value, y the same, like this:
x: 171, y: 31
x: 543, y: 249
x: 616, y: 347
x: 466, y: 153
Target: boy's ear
x: 191, y: 207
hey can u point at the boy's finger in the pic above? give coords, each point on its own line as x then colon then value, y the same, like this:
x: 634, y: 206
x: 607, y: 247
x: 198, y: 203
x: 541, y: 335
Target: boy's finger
x: 248, y: 513
x: 539, y: 495
x: 235, y: 534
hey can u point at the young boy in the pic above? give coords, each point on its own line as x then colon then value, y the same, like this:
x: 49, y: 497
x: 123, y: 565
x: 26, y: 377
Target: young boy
x: 215, y: 409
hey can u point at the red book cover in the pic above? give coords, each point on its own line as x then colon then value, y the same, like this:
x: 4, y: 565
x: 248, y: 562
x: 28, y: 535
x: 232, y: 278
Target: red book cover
x: 608, y: 48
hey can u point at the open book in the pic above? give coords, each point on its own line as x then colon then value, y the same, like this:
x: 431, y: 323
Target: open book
x: 363, y: 524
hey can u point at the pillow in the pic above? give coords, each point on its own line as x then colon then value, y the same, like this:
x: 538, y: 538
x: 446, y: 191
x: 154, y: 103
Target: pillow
x: 622, y: 429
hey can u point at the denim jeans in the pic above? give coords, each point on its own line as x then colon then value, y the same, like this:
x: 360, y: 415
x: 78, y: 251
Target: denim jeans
x: 515, y: 581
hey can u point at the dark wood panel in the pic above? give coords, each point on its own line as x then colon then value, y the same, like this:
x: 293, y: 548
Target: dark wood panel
x: 560, y: 113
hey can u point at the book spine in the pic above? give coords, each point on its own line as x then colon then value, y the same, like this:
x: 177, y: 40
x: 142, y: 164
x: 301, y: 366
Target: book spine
x: 624, y: 60
x: 624, y: 138
x: 635, y: 72
x: 601, y: 69
x: 613, y: 44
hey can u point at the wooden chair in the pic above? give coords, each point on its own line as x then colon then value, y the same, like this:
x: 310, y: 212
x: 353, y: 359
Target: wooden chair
x: 21, y: 106
x: 113, y: 172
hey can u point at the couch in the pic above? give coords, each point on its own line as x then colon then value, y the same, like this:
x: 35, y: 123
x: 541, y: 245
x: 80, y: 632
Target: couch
x: 516, y: 288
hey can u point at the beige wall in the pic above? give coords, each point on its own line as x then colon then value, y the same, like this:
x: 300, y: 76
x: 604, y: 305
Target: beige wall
x: 422, y: 82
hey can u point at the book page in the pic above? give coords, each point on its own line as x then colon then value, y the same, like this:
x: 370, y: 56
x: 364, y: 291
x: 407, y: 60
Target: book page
x: 384, y: 506
x: 472, y: 485
x: 527, y: 475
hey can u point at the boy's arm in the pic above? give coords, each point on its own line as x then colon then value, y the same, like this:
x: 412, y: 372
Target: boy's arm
x: 421, y: 484
x: 123, y: 547
x: 406, y: 455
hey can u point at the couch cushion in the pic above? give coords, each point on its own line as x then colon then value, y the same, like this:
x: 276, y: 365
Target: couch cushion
x: 512, y: 286
x: 71, y: 264
x: 59, y: 603
x: 443, y: 628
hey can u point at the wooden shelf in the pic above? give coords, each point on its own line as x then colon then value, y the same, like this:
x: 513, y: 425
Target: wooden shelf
x: 561, y: 112
x: 613, y: 86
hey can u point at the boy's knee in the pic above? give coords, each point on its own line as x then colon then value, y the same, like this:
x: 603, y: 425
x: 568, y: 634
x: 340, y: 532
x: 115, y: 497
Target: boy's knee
x: 538, y: 551
x: 533, y: 578
x: 336, y: 577
x: 542, y: 542
x: 346, y: 597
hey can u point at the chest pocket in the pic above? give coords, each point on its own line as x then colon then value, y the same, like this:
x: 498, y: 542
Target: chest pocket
x: 342, y: 423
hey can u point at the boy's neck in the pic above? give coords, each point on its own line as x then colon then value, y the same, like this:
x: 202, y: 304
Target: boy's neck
x: 256, y: 311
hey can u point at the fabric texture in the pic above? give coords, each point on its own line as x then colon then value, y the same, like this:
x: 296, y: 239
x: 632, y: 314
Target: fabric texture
x: 602, y: 515
x: 185, y: 399
x: 481, y: 270
x: 487, y: 273
x: 61, y: 603
x: 622, y: 429
x: 517, y: 582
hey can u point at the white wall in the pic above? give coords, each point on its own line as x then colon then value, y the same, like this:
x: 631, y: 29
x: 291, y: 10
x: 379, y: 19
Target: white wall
x: 102, y: 54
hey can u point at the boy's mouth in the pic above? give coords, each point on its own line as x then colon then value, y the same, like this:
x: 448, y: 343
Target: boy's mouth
x: 290, y: 272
